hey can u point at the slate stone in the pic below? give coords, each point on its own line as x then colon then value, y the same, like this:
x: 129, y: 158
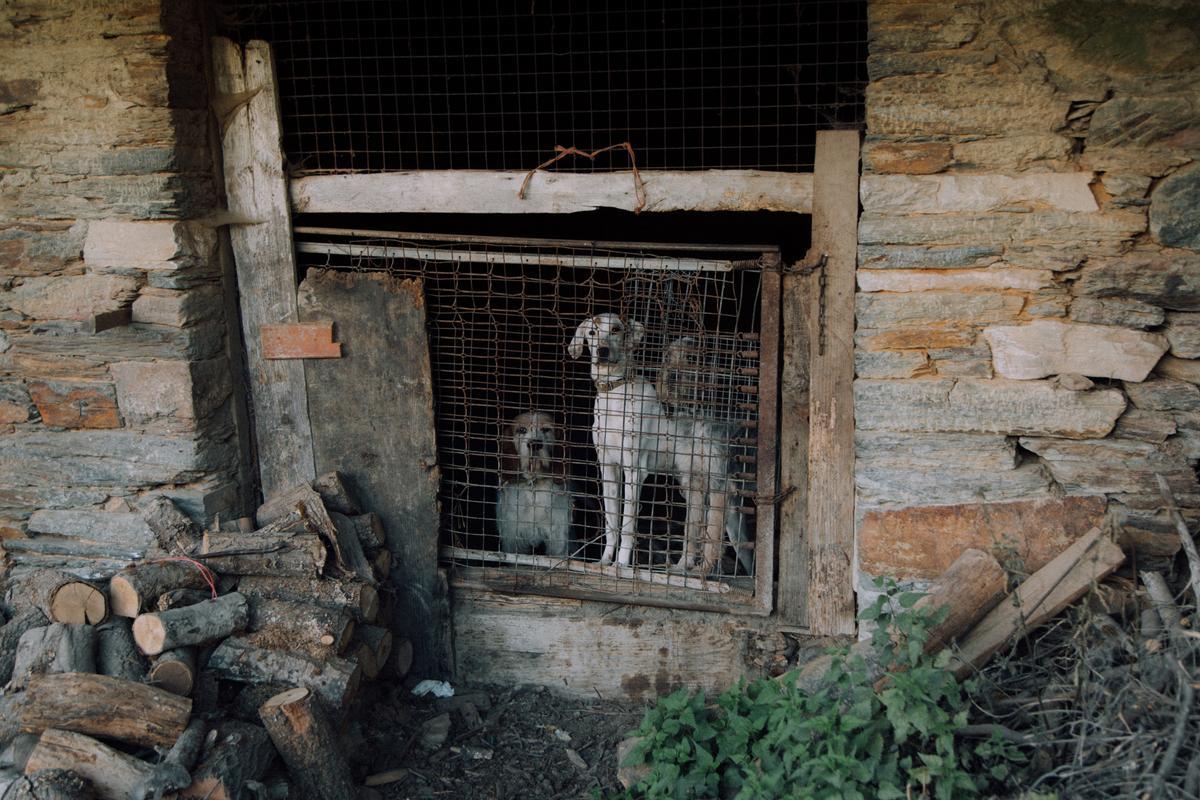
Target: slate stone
x: 904, y: 280
x: 933, y: 486
x: 120, y: 529
x: 1175, y: 209
x: 1114, y: 466
x: 1049, y: 347
x: 920, y: 451
x: 1146, y: 426
x: 939, y: 194
x: 15, y: 403
x: 1023, y: 536
x: 108, y: 458
x: 1183, y: 332
x: 958, y: 229
x: 1166, y: 278
x: 75, y: 297
x: 880, y: 311
x: 70, y: 404
x: 1164, y: 394
x: 1116, y: 311
x: 985, y: 406
x: 890, y: 363
x: 927, y: 257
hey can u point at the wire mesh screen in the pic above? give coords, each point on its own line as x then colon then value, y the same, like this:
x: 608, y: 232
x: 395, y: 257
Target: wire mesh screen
x: 598, y: 410
x: 383, y: 86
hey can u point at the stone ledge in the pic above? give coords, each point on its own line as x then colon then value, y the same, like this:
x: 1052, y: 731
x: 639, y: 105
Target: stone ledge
x: 916, y: 280
x: 973, y: 405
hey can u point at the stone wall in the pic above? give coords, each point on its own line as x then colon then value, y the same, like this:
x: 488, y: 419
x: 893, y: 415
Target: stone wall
x: 1029, y: 277
x: 115, y: 375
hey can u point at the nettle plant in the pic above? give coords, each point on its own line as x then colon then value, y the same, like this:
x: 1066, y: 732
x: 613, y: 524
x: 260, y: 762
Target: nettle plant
x: 846, y: 739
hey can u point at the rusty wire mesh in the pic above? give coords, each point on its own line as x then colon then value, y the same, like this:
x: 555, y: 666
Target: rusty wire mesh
x: 500, y: 317
x: 371, y: 85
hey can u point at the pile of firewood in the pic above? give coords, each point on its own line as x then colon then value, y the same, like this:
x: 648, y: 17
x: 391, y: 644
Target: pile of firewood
x: 187, y: 674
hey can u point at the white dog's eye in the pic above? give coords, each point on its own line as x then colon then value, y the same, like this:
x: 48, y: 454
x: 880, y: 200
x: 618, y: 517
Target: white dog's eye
x: 521, y: 430
x: 591, y: 334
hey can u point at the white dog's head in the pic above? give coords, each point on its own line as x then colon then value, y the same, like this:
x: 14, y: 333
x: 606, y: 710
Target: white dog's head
x: 609, y: 339
x: 532, y: 446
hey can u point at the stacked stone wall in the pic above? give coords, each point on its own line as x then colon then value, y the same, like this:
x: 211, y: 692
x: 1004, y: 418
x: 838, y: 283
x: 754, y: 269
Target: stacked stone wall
x: 115, y: 376
x: 1029, y: 267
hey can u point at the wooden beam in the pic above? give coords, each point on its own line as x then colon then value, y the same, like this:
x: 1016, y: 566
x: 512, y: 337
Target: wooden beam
x: 266, y: 265
x: 828, y: 538
x: 482, y: 192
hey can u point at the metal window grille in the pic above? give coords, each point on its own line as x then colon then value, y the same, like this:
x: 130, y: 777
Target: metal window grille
x: 374, y: 85
x: 501, y: 313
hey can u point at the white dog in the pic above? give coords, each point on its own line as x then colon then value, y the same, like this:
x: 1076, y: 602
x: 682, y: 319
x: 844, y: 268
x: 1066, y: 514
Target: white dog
x: 634, y: 437
x: 533, y: 505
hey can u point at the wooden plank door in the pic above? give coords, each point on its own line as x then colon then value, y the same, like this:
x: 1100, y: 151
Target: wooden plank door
x: 371, y: 413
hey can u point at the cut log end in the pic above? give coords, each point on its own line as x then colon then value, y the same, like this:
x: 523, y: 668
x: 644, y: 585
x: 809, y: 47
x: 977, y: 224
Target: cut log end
x: 286, y: 697
x: 149, y: 633
x: 79, y: 604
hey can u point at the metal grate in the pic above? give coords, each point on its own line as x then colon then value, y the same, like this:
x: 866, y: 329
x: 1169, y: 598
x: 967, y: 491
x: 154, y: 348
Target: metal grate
x: 372, y: 86
x: 501, y: 314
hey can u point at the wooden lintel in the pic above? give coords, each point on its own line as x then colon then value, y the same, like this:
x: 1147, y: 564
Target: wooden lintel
x: 299, y: 340
x: 483, y: 192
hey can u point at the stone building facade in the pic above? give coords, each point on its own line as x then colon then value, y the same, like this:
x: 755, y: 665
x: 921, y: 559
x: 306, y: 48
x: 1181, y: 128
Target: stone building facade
x: 1028, y: 308
x: 1029, y: 277
x: 115, y: 344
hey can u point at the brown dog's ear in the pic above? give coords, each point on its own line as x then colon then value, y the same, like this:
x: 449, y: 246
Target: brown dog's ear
x: 510, y: 464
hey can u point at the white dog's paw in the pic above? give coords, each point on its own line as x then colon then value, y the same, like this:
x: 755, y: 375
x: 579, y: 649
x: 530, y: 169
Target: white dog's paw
x: 680, y: 567
x: 606, y: 557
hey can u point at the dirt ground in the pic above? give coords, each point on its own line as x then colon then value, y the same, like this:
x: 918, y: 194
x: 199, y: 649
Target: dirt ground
x: 500, y: 743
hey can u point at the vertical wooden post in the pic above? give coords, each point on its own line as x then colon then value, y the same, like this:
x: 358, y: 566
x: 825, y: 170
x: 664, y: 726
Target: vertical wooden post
x: 829, y: 534
x: 256, y: 188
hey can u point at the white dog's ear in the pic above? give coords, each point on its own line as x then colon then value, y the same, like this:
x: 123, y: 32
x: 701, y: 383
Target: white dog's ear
x: 636, y: 331
x: 575, y: 348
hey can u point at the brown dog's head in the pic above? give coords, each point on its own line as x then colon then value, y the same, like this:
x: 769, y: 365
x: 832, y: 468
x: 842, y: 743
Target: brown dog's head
x: 532, y: 447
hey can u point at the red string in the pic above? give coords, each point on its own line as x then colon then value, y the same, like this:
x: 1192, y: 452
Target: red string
x: 209, y: 576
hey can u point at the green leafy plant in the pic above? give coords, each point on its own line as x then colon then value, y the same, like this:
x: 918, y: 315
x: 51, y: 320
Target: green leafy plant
x: 843, y: 739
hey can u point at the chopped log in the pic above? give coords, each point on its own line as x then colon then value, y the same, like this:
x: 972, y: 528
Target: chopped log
x: 301, y: 555
x: 197, y: 624
x: 402, y: 658
x: 360, y: 599
x: 1164, y: 605
x: 242, y: 753
x: 54, y: 648
x: 135, y: 588
x: 378, y: 644
x: 351, y: 547
x: 308, y: 744
x: 10, y: 637
x: 330, y: 486
x: 381, y: 564
x: 968, y: 589
x: 369, y: 528
x: 174, y: 771
x: 1185, y: 536
x: 1040, y: 598
x: 307, y: 513
x: 51, y: 784
x: 98, y: 705
x: 174, y: 531
x: 300, y: 627
x: 177, y: 598
x: 61, y: 597
x: 113, y: 774
x: 117, y: 655
x: 175, y: 671
x: 336, y: 680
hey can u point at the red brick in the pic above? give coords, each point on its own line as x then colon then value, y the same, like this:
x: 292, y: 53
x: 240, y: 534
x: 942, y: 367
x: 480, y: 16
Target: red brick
x: 922, y: 542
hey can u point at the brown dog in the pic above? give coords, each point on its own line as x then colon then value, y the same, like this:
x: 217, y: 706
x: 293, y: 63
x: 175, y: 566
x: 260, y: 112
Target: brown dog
x: 533, y: 504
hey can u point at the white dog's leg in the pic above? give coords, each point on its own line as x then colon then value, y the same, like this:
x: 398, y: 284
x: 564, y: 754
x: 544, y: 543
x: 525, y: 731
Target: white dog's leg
x: 610, y: 488
x: 693, y: 496
x: 714, y: 529
x: 633, y: 490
